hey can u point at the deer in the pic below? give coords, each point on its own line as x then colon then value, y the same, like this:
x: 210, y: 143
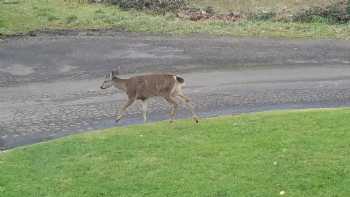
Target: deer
x: 143, y: 87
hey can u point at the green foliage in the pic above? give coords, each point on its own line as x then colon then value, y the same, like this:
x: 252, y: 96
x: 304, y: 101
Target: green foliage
x: 337, y: 12
x: 311, y: 11
x: 71, y: 19
x: 262, y: 15
x: 158, y: 6
x: 303, y: 153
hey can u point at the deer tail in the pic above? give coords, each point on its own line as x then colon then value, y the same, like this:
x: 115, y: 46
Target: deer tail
x: 180, y: 79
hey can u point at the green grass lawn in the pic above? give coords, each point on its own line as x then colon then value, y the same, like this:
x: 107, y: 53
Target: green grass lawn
x: 303, y: 153
x: 21, y: 16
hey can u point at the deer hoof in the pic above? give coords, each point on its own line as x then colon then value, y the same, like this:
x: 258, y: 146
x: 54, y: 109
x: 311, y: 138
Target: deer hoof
x: 119, y: 117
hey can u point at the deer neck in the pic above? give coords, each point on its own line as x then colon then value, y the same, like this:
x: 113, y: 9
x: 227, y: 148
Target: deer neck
x: 119, y: 83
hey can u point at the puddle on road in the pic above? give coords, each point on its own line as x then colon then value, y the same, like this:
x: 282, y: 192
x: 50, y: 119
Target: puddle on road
x: 17, y: 69
x: 66, y: 68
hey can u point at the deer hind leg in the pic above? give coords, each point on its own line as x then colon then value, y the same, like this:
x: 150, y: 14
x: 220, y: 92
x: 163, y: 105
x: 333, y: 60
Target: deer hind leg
x: 189, y: 105
x: 122, y: 112
x: 172, y: 101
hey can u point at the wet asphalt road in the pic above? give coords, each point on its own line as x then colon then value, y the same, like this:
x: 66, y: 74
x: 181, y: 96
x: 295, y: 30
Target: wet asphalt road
x: 49, y: 84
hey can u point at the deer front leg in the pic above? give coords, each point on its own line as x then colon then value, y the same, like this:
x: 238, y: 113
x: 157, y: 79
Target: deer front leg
x: 144, y: 110
x: 172, y: 101
x: 188, y: 104
x: 122, y: 112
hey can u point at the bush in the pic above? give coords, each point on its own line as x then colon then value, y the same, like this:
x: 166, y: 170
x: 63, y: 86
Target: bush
x: 158, y: 6
x: 338, y: 12
x: 71, y: 19
x: 262, y: 15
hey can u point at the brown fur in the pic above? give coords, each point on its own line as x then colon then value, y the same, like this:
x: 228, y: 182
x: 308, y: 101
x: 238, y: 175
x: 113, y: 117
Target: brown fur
x: 153, y: 85
x: 147, y: 86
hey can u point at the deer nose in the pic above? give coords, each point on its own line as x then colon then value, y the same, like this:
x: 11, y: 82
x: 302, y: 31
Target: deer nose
x: 102, y: 87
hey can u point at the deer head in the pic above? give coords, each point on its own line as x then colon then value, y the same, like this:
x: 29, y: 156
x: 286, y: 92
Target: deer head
x: 108, y: 82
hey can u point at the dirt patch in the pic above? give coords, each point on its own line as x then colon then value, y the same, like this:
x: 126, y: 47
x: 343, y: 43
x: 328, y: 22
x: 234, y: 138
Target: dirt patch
x: 65, y: 32
x: 200, y: 15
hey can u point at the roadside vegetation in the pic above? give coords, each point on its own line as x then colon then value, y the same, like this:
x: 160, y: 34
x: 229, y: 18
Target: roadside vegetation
x: 295, y: 153
x: 186, y: 17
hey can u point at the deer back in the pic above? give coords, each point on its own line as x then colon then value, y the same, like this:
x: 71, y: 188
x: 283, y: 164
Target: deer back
x: 146, y: 86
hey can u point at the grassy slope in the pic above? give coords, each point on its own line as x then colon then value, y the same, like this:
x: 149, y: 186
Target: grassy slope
x: 30, y: 15
x: 304, y: 153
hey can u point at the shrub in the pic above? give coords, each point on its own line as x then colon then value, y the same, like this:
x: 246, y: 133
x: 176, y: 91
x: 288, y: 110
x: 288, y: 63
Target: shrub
x: 71, y: 19
x: 338, y: 12
x: 158, y: 6
x: 262, y: 15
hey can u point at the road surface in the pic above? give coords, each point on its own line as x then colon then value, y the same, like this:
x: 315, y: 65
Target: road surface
x: 49, y: 84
